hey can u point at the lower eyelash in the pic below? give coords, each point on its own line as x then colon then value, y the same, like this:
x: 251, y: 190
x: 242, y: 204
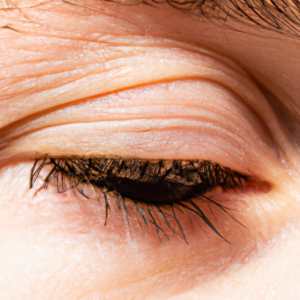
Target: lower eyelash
x: 66, y: 173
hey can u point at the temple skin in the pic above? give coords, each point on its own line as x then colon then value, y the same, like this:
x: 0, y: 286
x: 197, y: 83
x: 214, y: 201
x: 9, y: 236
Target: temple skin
x: 147, y: 82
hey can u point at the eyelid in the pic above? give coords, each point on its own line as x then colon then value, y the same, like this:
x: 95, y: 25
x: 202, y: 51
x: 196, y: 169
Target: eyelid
x: 99, y: 78
x: 162, y: 63
x: 167, y: 62
x: 164, y: 59
x: 185, y: 98
x: 212, y: 120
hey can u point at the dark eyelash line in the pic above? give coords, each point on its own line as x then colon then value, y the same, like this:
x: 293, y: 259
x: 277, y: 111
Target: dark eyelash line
x: 178, y: 181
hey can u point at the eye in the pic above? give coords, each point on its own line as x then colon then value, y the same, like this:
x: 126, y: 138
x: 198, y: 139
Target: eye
x: 159, y: 185
x: 174, y: 125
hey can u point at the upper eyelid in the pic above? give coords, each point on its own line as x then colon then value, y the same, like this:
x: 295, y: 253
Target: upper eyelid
x: 253, y: 94
x: 200, y: 64
x: 126, y: 106
x: 221, y: 117
x: 203, y: 67
x: 221, y: 71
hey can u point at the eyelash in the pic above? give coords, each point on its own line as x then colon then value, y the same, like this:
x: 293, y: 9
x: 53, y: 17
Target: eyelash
x: 118, y: 177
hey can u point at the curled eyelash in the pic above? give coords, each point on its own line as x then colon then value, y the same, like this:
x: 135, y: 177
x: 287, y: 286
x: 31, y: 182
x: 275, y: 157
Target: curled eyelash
x: 156, y: 189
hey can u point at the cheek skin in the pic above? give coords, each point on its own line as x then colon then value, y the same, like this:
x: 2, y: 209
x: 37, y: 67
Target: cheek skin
x: 275, y: 274
x: 58, y: 243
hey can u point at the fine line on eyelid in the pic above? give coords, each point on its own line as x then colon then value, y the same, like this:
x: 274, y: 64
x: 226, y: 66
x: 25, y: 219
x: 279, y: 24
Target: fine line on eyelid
x: 218, y: 159
x: 205, y: 69
x: 244, y: 103
x: 157, y: 129
x: 124, y: 119
x: 86, y: 101
x: 193, y: 78
x: 123, y: 89
x: 195, y: 48
x: 85, y: 104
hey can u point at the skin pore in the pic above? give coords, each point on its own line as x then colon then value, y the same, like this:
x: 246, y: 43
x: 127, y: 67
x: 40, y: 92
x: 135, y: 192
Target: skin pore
x: 92, y: 78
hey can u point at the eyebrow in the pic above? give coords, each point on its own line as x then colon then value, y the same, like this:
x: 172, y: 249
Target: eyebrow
x: 277, y: 15
x: 281, y: 16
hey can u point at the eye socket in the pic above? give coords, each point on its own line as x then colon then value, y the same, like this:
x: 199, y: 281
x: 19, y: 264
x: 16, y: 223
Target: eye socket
x: 210, y: 115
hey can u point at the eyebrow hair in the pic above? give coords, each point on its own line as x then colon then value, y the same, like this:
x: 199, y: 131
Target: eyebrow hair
x: 276, y: 15
x: 282, y: 16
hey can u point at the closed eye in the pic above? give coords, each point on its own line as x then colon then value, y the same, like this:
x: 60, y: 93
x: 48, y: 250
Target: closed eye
x: 159, y: 185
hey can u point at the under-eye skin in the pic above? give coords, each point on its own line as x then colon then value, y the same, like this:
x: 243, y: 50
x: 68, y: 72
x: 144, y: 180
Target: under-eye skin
x: 155, y: 188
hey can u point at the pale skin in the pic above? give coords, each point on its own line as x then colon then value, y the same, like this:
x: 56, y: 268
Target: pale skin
x: 154, y: 83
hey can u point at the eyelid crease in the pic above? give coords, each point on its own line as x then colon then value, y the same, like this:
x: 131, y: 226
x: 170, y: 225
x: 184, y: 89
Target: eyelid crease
x: 154, y: 124
x: 195, y: 109
x: 191, y: 121
x: 162, y: 65
x: 243, y: 87
x: 223, y: 93
x: 187, y: 142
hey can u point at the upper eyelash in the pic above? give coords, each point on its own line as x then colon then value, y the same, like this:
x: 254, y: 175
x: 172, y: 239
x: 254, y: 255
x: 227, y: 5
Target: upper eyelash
x: 97, y: 171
